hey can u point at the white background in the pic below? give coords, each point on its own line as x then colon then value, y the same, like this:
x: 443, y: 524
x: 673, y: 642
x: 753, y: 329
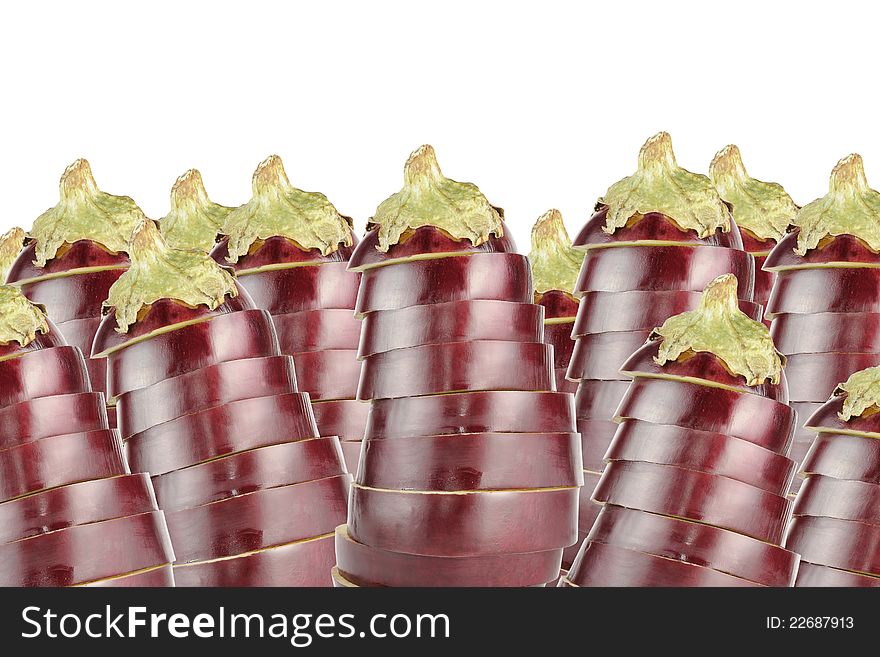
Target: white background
x: 542, y: 104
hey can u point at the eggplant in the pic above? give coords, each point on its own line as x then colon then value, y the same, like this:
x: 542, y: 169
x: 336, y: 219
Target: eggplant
x: 452, y: 321
x: 763, y: 211
x: 827, y: 332
x: 843, y: 544
x: 562, y: 383
x: 596, y: 400
x: 712, y: 453
x: 457, y: 367
x: 599, y: 564
x: 830, y: 290
x: 700, y: 367
x: 855, y: 458
x: 203, y: 388
x: 588, y: 510
x: 259, y: 519
x: 431, y: 216
x: 328, y: 375
x: 301, y: 563
x: 235, y: 336
x: 697, y: 543
x: 42, y: 373
x: 475, y: 461
x: 252, y: 470
x: 317, y: 330
x: 345, y: 418
x: 599, y: 356
x: 639, y: 310
x: 85, y: 553
x: 481, y: 276
x: 58, y: 461
x: 473, y: 412
x: 814, y: 377
x: 710, y: 499
x: 76, y: 252
x: 73, y: 298
x: 835, y: 498
x: 43, y: 417
x: 555, y: 266
x: 220, y: 431
x: 324, y: 286
x: 596, y: 436
x: 810, y: 574
x: 159, y: 576
x: 664, y: 268
x: 463, y: 523
x: 75, y: 504
x: 370, y: 566
x: 759, y: 420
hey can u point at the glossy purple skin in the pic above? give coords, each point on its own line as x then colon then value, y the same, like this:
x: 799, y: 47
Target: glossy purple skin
x: 600, y: 564
x: 78, y: 296
x: 836, y: 543
x: 813, y: 575
x: 317, y: 330
x: 422, y: 241
x: 597, y: 400
x: 759, y: 420
x: 476, y: 461
x: 78, y: 255
x: 599, y: 356
x: 87, y: 552
x: 471, y: 412
x: 710, y: 499
x: 826, y: 332
x: 162, y: 314
x: 258, y: 520
x: 204, y: 388
x: 75, y: 504
x: 683, y: 268
x: 220, y: 431
x: 42, y: 373
x: 51, y: 416
x: 557, y: 304
x: 161, y: 577
x: 232, y: 336
x: 456, y: 367
x: 838, y: 249
x: 329, y: 374
x: 702, y: 451
x: 652, y: 226
x: 814, y: 377
x: 249, y: 471
x: 325, y: 286
x: 452, y: 321
x: 636, y: 310
x: 700, y: 365
x: 279, y: 250
x: 492, y: 276
x: 596, y: 436
x: 852, y: 458
x: 369, y: 566
x: 836, y: 498
x: 302, y: 564
x: 59, y: 461
x: 703, y: 545
x: 834, y: 290
x: 345, y: 418
x: 456, y: 525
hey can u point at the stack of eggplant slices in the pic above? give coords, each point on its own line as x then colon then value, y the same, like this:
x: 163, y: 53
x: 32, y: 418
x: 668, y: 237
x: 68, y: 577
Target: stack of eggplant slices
x: 427, y: 407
